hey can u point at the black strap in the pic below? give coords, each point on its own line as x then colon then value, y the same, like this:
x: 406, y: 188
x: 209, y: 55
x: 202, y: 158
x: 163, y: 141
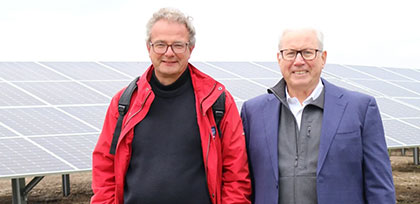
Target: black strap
x: 218, y: 111
x: 123, y: 105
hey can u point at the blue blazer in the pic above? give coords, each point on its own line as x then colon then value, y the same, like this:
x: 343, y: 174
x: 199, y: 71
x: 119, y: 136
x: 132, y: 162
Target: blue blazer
x: 353, y: 162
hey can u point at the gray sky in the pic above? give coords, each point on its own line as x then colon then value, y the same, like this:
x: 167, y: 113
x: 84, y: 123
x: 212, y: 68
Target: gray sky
x: 357, y: 32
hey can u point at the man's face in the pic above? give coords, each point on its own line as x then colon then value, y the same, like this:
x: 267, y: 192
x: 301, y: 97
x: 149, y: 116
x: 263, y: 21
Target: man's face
x: 301, y: 74
x: 169, y: 66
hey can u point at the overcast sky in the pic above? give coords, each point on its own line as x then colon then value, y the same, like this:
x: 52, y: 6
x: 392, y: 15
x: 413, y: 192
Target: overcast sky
x: 357, y: 32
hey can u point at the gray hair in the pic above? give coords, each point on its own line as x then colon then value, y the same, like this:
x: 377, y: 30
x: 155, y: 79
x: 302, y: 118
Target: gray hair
x: 171, y: 15
x: 319, y: 35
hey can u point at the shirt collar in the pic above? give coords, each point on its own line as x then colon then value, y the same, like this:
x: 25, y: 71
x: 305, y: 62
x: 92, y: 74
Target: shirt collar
x: 314, y: 95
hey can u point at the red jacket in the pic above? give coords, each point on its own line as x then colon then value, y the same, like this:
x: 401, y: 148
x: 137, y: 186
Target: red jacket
x: 225, y: 158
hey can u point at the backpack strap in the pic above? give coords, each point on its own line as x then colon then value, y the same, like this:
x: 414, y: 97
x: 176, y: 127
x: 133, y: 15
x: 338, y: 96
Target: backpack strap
x: 123, y: 105
x: 219, y: 111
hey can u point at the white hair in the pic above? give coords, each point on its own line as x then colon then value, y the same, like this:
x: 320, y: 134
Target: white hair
x: 319, y: 35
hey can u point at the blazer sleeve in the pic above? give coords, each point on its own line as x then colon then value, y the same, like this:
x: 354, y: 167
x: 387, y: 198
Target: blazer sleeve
x: 378, y: 182
x: 246, y: 132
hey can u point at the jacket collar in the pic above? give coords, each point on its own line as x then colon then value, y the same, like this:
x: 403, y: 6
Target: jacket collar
x: 206, y: 89
x: 279, y: 91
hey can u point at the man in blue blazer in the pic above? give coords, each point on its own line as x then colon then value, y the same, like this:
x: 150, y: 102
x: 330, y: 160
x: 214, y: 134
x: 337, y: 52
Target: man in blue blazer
x: 310, y: 141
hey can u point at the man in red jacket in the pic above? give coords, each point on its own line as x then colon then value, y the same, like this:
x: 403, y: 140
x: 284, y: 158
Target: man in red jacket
x: 169, y: 149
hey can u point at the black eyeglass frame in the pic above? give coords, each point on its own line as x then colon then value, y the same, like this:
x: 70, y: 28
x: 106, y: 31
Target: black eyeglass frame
x: 167, y: 46
x: 300, y: 51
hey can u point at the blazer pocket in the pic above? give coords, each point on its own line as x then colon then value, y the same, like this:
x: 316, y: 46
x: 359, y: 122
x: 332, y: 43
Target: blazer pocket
x: 346, y: 129
x: 348, y: 132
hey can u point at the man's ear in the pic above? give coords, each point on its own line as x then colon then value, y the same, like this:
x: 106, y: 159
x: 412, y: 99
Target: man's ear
x: 278, y: 57
x: 191, y: 48
x: 324, y: 57
x: 148, y: 46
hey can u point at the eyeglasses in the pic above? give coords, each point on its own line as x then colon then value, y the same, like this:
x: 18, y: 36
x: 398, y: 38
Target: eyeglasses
x: 161, y: 48
x: 307, y: 54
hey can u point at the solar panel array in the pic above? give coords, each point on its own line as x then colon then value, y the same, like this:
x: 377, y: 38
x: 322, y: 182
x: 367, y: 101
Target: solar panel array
x: 51, y: 113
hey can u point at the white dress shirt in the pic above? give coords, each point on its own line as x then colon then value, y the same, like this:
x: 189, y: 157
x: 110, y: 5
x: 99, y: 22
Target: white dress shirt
x: 295, y: 105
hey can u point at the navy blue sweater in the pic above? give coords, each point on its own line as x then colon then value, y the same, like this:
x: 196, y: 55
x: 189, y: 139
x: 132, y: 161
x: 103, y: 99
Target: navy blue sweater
x: 167, y: 165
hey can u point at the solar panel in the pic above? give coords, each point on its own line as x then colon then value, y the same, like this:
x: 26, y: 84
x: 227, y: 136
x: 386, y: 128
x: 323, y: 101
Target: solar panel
x: 75, y: 149
x: 42, y: 121
x: 84, y: 70
x: 12, y: 96
x: 16, y: 71
x: 63, y: 92
x: 108, y: 88
x: 410, y: 85
x: 247, y: 70
x: 396, y: 109
x: 215, y: 73
x: 270, y: 65
x: 4, y: 132
x: 339, y: 71
x: 241, y: 91
x: 354, y: 86
x: 22, y: 157
x: 413, y: 101
x: 129, y: 69
x: 387, y: 88
x: 379, y: 72
x: 403, y: 132
x: 413, y: 121
x: 412, y: 74
x: 93, y: 115
x: 51, y: 113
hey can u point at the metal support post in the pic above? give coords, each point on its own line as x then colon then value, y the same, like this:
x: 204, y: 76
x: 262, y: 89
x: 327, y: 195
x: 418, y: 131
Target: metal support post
x: 66, y: 184
x: 18, y: 191
x: 416, y: 155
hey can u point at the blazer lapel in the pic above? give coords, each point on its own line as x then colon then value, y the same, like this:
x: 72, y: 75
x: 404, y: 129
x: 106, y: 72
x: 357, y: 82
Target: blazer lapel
x: 334, y: 107
x: 271, y: 123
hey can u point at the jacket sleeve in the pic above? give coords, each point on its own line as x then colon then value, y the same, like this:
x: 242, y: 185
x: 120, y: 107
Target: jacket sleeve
x: 103, y: 177
x: 378, y: 183
x: 236, y: 184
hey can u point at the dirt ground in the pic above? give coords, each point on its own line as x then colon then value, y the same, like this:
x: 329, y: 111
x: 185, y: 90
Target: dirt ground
x: 49, y: 190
